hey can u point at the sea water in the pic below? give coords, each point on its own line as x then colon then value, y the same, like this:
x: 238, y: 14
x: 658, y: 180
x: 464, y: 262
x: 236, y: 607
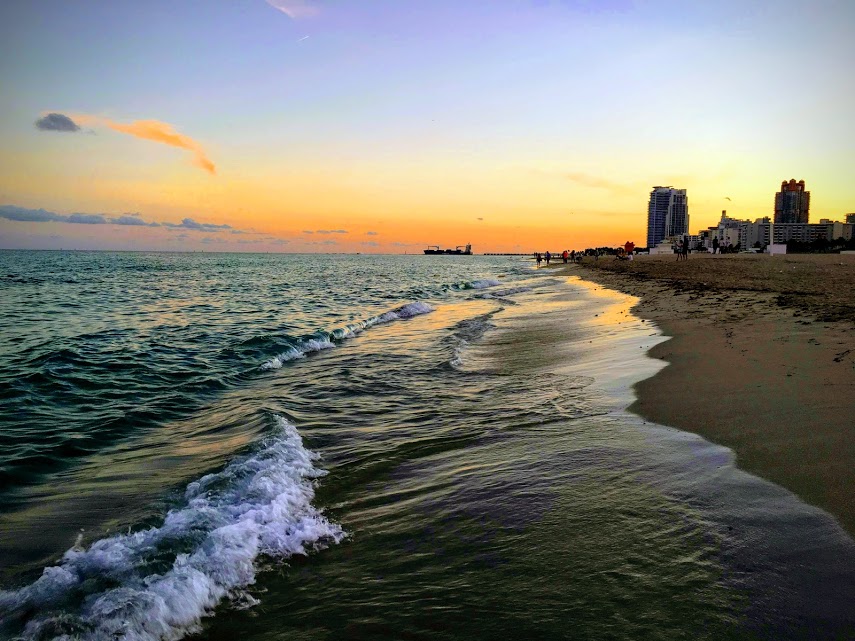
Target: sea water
x: 370, y: 447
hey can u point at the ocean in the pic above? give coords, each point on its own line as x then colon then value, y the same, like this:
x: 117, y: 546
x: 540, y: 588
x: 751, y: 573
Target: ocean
x: 221, y: 446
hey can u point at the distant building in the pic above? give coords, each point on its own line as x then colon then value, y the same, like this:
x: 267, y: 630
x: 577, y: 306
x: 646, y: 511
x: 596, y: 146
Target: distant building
x: 792, y: 203
x: 826, y: 229
x: 746, y: 234
x: 667, y: 214
x: 850, y: 219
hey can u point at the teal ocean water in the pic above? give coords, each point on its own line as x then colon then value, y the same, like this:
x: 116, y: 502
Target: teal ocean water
x: 221, y: 446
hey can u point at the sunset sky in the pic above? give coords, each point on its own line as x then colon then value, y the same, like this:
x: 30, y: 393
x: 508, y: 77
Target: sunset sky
x: 388, y: 125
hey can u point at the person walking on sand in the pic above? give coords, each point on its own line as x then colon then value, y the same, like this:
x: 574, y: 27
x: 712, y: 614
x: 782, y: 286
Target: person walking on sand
x: 564, y: 256
x: 714, y: 245
x: 685, y: 248
x: 537, y: 258
x: 679, y: 251
x: 548, y: 258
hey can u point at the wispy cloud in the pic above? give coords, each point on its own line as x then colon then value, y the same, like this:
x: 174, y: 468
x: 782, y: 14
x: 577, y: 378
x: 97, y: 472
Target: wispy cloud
x: 57, y: 122
x: 588, y: 180
x: 331, y: 231
x: 153, y: 130
x: 294, y: 9
x: 372, y: 233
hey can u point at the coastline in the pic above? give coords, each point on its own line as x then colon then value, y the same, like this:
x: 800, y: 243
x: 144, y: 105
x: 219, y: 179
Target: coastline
x: 757, y: 362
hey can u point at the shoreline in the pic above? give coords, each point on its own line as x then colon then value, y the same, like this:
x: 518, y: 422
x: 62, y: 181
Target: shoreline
x: 757, y: 363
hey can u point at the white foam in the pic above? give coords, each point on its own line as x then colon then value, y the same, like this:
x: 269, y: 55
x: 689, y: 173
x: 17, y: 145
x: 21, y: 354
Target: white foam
x: 326, y: 342
x: 298, y: 351
x: 457, y: 357
x: 484, y: 283
x: 257, y: 505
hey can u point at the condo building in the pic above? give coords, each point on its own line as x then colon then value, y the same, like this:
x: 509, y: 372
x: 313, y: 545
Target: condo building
x: 667, y: 214
x: 792, y: 203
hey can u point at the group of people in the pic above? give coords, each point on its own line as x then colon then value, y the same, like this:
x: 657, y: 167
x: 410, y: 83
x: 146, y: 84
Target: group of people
x: 540, y: 257
x: 721, y: 247
x: 566, y: 255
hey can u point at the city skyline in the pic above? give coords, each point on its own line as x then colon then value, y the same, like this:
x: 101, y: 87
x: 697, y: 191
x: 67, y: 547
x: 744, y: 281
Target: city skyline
x: 308, y: 126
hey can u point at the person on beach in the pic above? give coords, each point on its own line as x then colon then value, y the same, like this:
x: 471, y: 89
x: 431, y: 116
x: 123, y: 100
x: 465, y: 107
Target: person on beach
x: 715, y: 245
x: 564, y: 256
x: 573, y: 255
x: 685, y: 248
x: 537, y: 258
x: 679, y: 251
x: 548, y: 258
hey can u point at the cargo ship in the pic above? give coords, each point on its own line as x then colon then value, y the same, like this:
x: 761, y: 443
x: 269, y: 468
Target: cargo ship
x: 460, y: 250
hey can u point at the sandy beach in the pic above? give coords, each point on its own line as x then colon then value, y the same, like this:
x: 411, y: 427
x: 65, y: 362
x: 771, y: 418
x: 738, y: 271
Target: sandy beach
x: 762, y: 360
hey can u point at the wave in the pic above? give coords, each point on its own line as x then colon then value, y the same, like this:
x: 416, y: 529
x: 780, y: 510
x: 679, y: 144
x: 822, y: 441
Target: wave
x: 466, y: 332
x: 481, y: 283
x: 327, y: 340
x: 502, y: 293
x: 160, y: 582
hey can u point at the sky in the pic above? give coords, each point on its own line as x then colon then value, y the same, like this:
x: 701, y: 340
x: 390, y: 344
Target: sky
x: 390, y: 125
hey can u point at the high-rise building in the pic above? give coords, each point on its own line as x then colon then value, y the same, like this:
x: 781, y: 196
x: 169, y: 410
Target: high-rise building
x: 850, y: 219
x: 792, y: 203
x: 667, y: 214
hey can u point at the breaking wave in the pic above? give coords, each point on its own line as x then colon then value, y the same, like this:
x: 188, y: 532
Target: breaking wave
x: 160, y: 582
x: 467, y: 332
x: 481, y: 283
x: 326, y: 340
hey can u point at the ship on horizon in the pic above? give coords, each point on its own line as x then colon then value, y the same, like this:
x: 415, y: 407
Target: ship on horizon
x: 460, y: 250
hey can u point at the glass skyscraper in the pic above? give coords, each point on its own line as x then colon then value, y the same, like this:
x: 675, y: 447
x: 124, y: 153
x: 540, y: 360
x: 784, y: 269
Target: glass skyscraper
x: 667, y: 214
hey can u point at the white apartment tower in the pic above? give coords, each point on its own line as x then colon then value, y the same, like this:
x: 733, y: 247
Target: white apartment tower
x: 667, y: 214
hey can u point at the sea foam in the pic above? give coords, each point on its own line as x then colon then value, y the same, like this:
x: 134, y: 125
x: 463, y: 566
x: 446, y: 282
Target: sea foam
x: 160, y: 582
x: 327, y: 340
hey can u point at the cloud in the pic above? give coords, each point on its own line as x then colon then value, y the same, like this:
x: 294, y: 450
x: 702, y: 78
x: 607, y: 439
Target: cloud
x: 10, y: 212
x: 369, y: 243
x: 156, y: 131
x: 372, y: 233
x: 189, y: 223
x: 330, y: 231
x: 21, y: 214
x: 587, y: 180
x: 479, y: 219
x: 133, y: 220
x: 86, y: 219
x: 57, y: 122
x: 294, y: 9
x: 306, y: 231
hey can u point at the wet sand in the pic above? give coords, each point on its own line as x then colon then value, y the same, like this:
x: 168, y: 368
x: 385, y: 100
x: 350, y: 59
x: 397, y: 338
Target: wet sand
x: 762, y: 360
